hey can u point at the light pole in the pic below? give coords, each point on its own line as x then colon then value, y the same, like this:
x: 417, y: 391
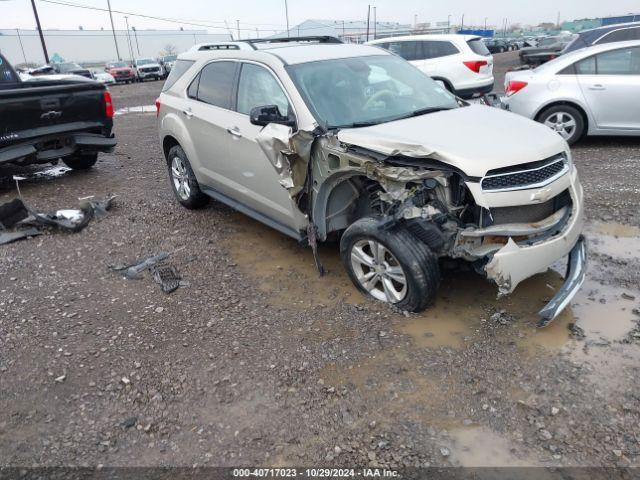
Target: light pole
x: 135, y: 34
x: 126, y: 19
x: 113, y: 29
x: 485, y: 23
x: 44, y: 45
x: 286, y: 13
x: 238, y: 28
x: 368, y: 16
x: 462, y: 23
x: 21, y: 46
x: 449, y: 23
x: 375, y: 23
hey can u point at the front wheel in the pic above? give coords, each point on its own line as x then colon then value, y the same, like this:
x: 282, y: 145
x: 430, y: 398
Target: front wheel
x: 390, y: 266
x: 565, y: 120
x: 81, y: 161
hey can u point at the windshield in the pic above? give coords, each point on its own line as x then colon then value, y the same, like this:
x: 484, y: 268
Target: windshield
x: 68, y: 67
x: 145, y: 61
x: 547, y: 41
x: 360, y: 91
x: 118, y: 65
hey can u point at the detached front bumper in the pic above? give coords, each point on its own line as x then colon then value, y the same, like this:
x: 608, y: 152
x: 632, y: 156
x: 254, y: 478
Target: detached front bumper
x: 576, y: 273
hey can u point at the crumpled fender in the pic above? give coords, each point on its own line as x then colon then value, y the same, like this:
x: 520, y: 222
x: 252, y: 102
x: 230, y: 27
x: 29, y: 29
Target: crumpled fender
x: 288, y: 152
x: 389, y: 145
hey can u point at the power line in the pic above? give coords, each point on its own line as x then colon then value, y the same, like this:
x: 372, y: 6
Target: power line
x: 162, y: 19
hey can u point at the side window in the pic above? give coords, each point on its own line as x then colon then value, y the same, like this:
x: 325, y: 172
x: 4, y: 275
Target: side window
x: 179, y: 69
x: 586, y: 66
x: 216, y: 84
x: 616, y: 36
x: 258, y: 87
x: 6, y: 73
x: 619, y: 62
x: 443, y: 49
x: 192, y: 92
x: 407, y: 50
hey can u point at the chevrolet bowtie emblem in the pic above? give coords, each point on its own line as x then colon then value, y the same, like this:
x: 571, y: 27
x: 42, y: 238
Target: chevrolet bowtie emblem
x: 541, y: 195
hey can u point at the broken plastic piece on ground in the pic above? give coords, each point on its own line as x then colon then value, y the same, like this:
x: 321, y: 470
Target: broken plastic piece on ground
x: 73, y: 220
x: 134, y: 270
x: 11, y: 213
x: 167, y: 277
x: 9, y: 237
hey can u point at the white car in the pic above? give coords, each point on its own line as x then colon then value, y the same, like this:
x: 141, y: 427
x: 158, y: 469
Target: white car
x: 104, y: 77
x: 591, y: 91
x: 147, y: 68
x: 461, y: 62
x: 325, y: 140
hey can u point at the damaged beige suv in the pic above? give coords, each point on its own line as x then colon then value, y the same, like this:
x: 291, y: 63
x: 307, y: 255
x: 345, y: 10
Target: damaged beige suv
x: 322, y: 140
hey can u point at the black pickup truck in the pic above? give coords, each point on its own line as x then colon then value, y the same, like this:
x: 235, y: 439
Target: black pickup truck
x: 44, y: 120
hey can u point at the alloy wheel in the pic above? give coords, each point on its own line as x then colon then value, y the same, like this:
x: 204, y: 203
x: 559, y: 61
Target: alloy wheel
x: 563, y: 123
x: 378, y: 271
x: 180, y: 177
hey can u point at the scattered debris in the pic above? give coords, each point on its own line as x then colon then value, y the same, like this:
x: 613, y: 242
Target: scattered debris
x: 627, y: 296
x: 167, y: 276
x: 8, y: 237
x: 61, y: 378
x: 17, y: 214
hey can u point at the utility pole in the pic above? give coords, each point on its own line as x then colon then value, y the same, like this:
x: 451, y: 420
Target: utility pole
x: 135, y: 34
x: 558, y: 23
x: 113, y: 29
x: 21, y: 46
x: 449, y: 23
x: 485, y: 23
x: 375, y: 23
x: 126, y: 19
x: 44, y: 45
x: 286, y: 13
x: 368, y: 16
x: 238, y: 28
x: 462, y: 23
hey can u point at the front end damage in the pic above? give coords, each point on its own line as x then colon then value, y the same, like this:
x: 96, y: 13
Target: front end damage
x: 512, y: 223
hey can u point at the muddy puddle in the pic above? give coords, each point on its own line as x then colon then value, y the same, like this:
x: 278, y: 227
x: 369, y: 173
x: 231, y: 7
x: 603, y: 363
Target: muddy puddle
x: 139, y: 109
x: 465, y: 302
x: 482, y: 447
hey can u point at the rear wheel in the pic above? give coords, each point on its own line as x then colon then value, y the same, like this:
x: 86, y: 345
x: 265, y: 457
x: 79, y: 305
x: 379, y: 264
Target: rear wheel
x: 81, y: 161
x: 183, y: 180
x: 566, y: 120
x: 390, y: 266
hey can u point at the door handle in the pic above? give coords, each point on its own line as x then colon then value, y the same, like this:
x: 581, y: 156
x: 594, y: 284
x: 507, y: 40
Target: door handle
x: 235, y: 131
x: 597, y: 86
x: 188, y: 113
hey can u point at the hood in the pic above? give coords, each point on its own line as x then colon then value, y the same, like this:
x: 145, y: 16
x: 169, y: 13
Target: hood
x: 120, y: 69
x: 474, y: 139
x: 148, y: 65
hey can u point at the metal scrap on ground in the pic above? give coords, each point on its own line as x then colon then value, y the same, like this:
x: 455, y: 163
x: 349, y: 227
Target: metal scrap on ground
x: 166, y: 276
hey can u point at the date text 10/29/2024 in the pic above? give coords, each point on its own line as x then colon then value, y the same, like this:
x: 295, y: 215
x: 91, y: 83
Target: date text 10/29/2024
x: 314, y: 473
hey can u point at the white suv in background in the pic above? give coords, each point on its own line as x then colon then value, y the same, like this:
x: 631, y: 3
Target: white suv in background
x: 461, y: 62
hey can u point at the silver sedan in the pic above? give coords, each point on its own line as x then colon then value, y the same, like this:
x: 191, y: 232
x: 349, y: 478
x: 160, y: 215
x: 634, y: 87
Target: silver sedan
x: 592, y: 91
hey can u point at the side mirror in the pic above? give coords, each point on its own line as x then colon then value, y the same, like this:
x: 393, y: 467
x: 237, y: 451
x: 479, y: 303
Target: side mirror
x: 267, y: 114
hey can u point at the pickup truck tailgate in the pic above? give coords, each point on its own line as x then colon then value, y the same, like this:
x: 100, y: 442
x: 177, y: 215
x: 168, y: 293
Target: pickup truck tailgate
x: 43, y: 109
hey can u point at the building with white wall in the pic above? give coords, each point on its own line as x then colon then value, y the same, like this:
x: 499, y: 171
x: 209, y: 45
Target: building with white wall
x: 97, y: 46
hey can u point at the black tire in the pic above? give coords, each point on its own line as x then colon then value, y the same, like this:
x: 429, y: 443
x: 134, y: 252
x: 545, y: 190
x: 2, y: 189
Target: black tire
x: 568, y: 110
x: 195, y: 198
x: 419, y: 265
x: 81, y: 161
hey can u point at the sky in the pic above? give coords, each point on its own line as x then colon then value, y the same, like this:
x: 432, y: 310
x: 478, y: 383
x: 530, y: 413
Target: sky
x: 268, y: 16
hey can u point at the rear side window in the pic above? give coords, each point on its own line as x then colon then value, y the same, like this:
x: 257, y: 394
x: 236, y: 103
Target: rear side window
x: 436, y: 49
x: 215, y: 84
x: 586, y: 66
x: 477, y: 46
x: 6, y: 73
x: 179, y: 69
x: 620, y: 35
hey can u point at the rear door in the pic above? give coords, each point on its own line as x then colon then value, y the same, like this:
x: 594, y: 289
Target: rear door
x: 207, y: 114
x: 610, y: 83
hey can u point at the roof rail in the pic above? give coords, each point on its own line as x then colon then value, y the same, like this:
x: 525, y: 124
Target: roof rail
x: 309, y: 39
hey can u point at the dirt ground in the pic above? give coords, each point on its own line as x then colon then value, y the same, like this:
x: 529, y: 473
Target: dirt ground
x: 258, y: 361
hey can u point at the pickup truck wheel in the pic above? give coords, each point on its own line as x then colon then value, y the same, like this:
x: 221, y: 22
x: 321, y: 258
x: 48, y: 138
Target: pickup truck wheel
x: 390, y: 266
x: 81, y: 161
x: 565, y: 120
x: 183, y: 180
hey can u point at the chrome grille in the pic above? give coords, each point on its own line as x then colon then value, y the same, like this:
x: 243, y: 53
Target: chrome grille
x: 528, y: 176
